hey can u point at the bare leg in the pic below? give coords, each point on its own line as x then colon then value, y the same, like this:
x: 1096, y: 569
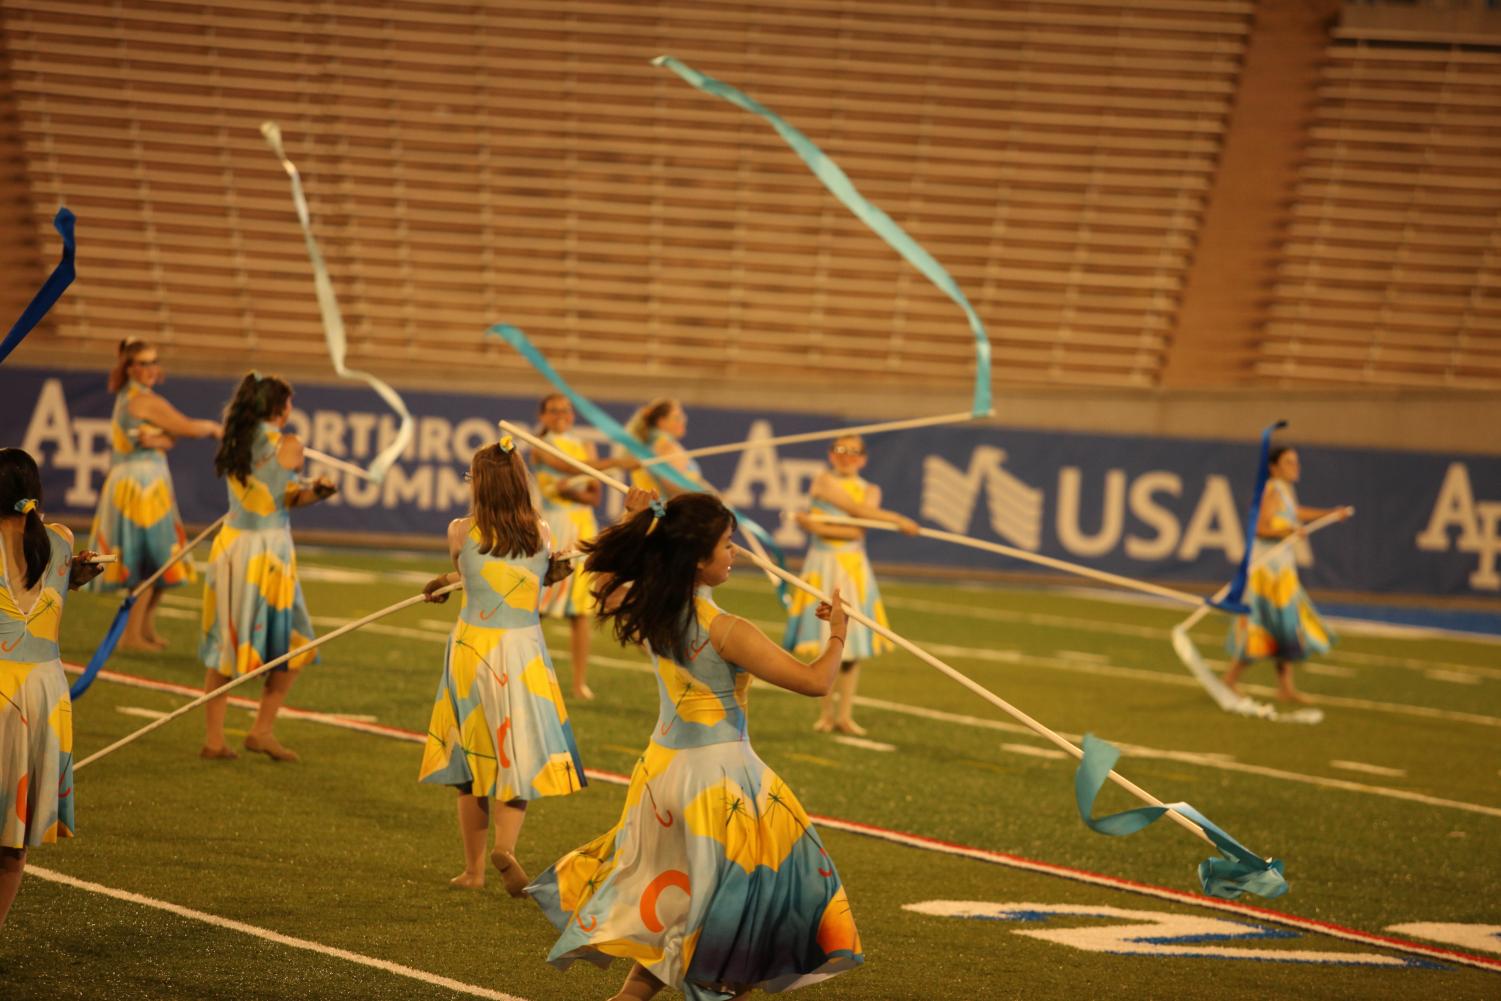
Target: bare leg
x: 474, y: 824
x: 844, y: 685
x: 582, y: 626
x: 828, y: 708
x: 509, y: 817
x: 1232, y: 676
x: 12, y: 865
x: 134, y: 637
x: 213, y: 719
x: 273, y: 696
x: 151, y: 599
x: 1285, y: 689
x: 825, y: 721
x: 639, y: 985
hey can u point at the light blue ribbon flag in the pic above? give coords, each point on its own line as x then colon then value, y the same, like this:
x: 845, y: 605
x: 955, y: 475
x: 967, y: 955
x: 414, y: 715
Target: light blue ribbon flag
x: 839, y: 184
x: 333, y: 321
x: 597, y: 416
x: 1238, y: 871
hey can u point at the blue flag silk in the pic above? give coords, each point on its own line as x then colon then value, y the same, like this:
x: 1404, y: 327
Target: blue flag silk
x: 599, y: 418
x: 1234, y: 600
x: 1238, y: 871
x: 839, y: 184
x: 333, y: 321
x: 52, y: 289
x: 102, y: 652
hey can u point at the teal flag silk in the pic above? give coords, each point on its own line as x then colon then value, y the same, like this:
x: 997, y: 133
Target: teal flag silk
x: 1238, y: 871
x: 839, y: 184
x: 595, y: 415
x: 333, y: 321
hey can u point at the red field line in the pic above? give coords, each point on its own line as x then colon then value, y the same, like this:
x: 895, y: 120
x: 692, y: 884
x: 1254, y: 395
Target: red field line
x: 927, y: 844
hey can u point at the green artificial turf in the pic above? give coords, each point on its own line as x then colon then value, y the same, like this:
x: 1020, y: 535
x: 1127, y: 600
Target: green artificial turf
x: 347, y: 850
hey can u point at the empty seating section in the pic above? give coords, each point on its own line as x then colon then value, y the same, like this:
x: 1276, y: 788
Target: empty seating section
x: 1391, y: 271
x: 473, y: 163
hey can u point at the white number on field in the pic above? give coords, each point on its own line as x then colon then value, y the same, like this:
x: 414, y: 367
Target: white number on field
x: 1151, y: 933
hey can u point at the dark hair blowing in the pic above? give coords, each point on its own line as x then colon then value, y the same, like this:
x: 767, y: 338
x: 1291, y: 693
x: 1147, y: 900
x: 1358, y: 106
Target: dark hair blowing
x: 19, y: 480
x: 502, y: 503
x: 125, y: 356
x: 258, y: 398
x: 661, y: 566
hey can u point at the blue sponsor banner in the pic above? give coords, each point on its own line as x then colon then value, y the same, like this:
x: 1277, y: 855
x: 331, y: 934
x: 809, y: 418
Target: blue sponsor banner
x: 1165, y: 508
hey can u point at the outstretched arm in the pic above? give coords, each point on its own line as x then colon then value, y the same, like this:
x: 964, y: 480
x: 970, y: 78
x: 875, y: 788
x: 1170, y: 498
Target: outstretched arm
x: 1306, y: 514
x: 159, y: 413
x: 742, y: 644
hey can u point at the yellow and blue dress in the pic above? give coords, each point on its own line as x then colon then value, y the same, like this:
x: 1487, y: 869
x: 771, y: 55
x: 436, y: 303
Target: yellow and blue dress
x: 137, y: 517
x: 499, y: 727
x: 840, y: 563
x: 253, y: 608
x: 571, y: 522
x: 1283, y: 624
x: 36, y: 716
x: 714, y: 878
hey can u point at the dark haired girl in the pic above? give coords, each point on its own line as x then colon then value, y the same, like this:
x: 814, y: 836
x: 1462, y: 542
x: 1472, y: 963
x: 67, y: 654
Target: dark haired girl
x: 36, y: 718
x: 137, y: 516
x: 713, y: 880
x: 1283, y: 625
x: 253, y: 609
x: 499, y: 728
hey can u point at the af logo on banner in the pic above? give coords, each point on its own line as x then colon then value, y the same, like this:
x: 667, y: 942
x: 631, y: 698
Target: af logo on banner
x: 1479, y: 526
x: 948, y: 497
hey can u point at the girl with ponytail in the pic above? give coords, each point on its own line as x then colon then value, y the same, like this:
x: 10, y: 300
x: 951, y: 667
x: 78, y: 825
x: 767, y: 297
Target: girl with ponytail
x: 660, y: 425
x: 253, y: 609
x: 499, y: 729
x: 36, y: 728
x: 760, y: 904
x: 137, y: 516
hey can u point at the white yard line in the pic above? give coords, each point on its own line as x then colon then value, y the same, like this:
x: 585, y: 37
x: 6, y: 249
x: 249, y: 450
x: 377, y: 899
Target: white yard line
x: 863, y: 743
x: 1451, y: 677
x: 266, y: 934
x: 1328, y: 670
x: 1147, y: 632
x: 1034, y: 752
x: 1088, y: 658
x: 1219, y: 762
x: 1098, y: 665
x: 1360, y: 766
x: 344, y: 575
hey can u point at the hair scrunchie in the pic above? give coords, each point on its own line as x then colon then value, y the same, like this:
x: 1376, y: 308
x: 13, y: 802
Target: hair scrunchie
x: 507, y: 445
x: 658, y: 512
x: 26, y: 505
